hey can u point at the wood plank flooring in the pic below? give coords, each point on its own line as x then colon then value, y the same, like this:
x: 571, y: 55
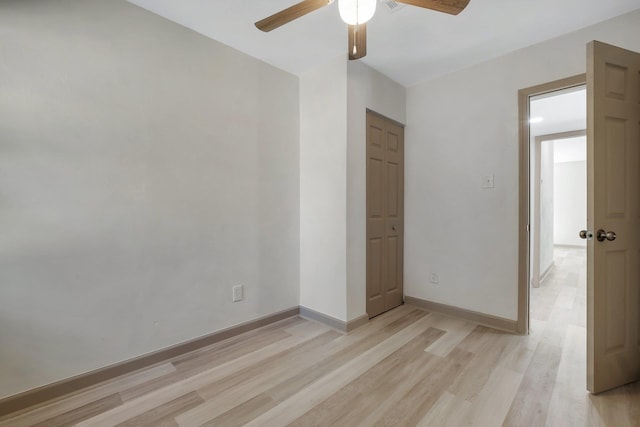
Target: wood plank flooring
x: 407, y: 367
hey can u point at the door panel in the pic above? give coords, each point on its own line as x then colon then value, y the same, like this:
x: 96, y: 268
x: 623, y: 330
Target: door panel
x: 613, y: 163
x: 374, y: 195
x: 395, y: 214
x: 392, y: 263
x: 385, y: 213
x: 376, y: 211
x: 392, y: 190
x: 616, y: 264
x: 375, y: 269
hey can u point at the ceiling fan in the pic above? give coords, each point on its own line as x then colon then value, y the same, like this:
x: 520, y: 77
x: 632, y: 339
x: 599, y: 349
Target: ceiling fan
x: 355, y: 13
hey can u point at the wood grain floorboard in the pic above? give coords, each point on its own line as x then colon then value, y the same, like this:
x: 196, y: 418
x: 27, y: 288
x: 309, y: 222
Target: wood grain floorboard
x: 317, y: 392
x: 273, y: 368
x: 455, y: 331
x: 568, y: 404
x: 83, y: 412
x: 349, y: 405
x: 449, y: 410
x: 214, y: 355
x: 163, y: 395
x: 235, y: 346
x: 531, y: 403
x: 164, y: 415
x: 470, y: 382
x: 64, y: 404
x: 301, y: 373
x: 347, y: 348
x: 334, y: 355
x: 243, y: 413
x: 418, y: 400
x: 491, y: 405
x: 224, y: 395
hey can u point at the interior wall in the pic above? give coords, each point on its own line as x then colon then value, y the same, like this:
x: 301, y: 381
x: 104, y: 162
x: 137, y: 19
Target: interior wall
x: 570, y: 208
x: 533, y: 210
x: 463, y: 126
x: 323, y: 189
x: 367, y: 89
x: 547, y: 206
x: 144, y: 170
x: 334, y: 98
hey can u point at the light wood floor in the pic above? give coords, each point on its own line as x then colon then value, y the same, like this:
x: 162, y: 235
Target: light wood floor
x: 407, y: 367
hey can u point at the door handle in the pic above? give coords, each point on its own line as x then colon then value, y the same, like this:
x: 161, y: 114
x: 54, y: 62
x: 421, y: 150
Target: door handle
x: 587, y: 235
x: 602, y: 235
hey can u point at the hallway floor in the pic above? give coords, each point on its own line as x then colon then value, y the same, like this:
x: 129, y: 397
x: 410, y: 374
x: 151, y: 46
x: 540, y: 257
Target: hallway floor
x: 558, y: 318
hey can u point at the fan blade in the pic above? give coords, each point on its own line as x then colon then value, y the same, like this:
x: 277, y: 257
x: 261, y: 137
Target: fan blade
x: 289, y: 14
x: 357, y: 41
x: 452, y: 7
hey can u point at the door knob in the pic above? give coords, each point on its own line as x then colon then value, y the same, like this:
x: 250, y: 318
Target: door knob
x: 602, y: 235
x: 587, y: 235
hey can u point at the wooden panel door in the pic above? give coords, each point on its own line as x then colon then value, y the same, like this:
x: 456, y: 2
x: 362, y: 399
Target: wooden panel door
x: 385, y: 214
x: 613, y: 164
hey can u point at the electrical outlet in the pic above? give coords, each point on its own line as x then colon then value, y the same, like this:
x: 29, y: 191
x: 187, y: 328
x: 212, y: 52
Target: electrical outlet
x: 435, y: 279
x: 238, y: 293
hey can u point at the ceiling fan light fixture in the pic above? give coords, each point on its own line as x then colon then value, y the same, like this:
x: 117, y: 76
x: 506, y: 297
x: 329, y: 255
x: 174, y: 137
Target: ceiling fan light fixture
x: 355, y: 12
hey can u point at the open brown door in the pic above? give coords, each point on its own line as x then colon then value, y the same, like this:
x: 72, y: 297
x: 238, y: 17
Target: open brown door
x: 385, y: 214
x: 613, y: 251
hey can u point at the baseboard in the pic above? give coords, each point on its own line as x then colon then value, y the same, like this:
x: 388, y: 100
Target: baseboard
x: 494, y: 322
x: 546, y: 272
x: 357, y: 322
x: 332, y: 322
x: 38, y: 395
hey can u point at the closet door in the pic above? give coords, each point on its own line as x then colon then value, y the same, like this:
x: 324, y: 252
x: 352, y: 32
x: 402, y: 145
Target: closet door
x: 385, y: 214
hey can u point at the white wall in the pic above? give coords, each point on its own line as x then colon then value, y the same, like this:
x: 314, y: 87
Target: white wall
x: 570, y: 208
x: 367, y: 88
x: 323, y: 189
x: 144, y: 170
x: 460, y: 127
x: 547, y: 206
x: 333, y: 102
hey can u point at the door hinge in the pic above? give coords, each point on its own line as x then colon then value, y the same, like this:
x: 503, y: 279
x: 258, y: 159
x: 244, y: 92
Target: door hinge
x: 528, y: 228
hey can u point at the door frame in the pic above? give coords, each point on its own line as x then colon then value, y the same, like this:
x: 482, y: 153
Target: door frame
x: 524, y: 233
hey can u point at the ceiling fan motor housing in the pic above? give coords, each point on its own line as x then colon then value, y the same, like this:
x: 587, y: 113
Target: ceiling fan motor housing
x: 355, y: 12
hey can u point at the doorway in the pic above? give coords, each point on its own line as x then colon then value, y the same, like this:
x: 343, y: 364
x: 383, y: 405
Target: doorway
x: 558, y: 187
x: 536, y: 132
x: 385, y: 214
x: 558, y: 208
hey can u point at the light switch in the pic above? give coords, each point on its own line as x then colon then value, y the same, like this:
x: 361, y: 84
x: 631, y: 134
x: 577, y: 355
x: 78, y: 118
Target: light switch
x: 487, y: 181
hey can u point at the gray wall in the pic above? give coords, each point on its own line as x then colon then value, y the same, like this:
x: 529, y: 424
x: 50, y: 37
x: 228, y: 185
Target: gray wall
x: 547, y: 205
x: 323, y: 188
x: 144, y: 170
x: 463, y: 126
x: 366, y: 88
x: 570, y: 202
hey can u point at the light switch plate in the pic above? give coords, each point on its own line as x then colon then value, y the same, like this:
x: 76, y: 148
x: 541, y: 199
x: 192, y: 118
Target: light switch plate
x: 487, y: 181
x: 238, y: 293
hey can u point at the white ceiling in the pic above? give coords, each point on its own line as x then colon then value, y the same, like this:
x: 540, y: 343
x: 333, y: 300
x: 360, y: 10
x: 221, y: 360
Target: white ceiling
x: 409, y: 45
x: 570, y: 150
x: 561, y: 111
